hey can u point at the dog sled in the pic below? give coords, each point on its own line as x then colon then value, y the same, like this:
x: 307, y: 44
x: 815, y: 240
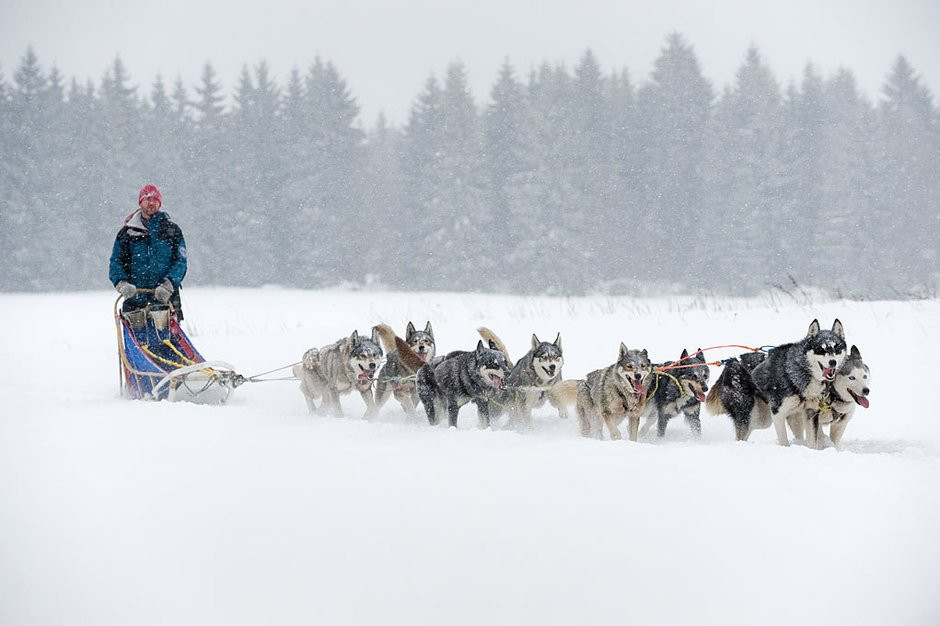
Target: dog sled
x: 157, y: 361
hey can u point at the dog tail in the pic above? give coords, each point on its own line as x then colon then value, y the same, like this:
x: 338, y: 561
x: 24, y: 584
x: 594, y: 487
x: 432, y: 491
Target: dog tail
x: 565, y: 391
x: 494, y: 342
x: 408, y: 357
x: 387, y: 337
x: 713, y: 400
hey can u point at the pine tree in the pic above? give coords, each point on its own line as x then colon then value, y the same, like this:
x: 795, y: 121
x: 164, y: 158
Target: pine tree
x: 907, y: 191
x: 674, y: 109
x: 743, y: 178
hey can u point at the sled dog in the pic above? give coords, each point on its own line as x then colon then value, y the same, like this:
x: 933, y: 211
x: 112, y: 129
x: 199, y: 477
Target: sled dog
x: 478, y: 376
x: 531, y: 378
x: 793, y: 377
x: 349, y: 363
x: 678, y: 390
x: 734, y: 394
x: 396, y: 377
x: 848, y: 390
x: 610, y: 395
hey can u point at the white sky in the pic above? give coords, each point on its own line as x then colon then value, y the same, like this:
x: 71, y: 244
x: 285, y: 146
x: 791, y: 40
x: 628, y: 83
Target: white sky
x: 386, y: 50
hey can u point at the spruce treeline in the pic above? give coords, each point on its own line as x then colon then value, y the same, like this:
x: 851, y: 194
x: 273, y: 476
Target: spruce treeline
x: 566, y: 181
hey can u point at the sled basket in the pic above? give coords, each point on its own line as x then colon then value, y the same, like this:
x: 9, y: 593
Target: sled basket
x: 157, y: 361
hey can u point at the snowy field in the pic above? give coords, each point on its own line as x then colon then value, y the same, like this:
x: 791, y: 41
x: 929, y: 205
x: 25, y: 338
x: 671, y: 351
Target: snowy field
x: 133, y: 513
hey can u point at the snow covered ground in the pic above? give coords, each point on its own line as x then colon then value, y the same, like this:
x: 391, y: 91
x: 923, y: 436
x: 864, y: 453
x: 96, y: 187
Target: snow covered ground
x: 117, y: 512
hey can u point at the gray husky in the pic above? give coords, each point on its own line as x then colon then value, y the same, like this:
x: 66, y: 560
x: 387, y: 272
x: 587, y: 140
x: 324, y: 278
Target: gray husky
x: 610, y: 395
x: 396, y: 377
x: 793, y: 377
x: 478, y: 376
x: 531, y: 379
x: 848, y: 390
x: 338, y: 368
x: 678, y: 390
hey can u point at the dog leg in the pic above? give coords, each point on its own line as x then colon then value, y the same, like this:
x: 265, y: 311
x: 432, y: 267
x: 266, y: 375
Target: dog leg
x: 527, y: 417
x: 694, y: 421
x: 780, y: 425
x: 634, y: 426
x: 813, y: 440
x: 483, y: 414
x: 560, y: 406
x: 409, y: 404
x: 331, y: 402
x: 662, y: 420
x: 584, y: 421
x: 381, y: 397
x: 650, y: 420
x: 612, y: 426
x: 371, y: 409
x: 837, y: 429
x: 742, y: 430
x: 452, y: 409
x: 795, y: 422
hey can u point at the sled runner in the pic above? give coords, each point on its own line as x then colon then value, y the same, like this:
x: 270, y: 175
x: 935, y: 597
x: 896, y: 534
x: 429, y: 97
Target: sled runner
x: 157, y: 360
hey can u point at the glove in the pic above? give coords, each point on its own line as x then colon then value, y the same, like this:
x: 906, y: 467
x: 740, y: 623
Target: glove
x: 163, y: 291
x: 126, y: 289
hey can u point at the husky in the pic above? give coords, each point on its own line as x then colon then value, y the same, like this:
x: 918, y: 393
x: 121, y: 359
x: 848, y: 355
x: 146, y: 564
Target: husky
x: 349, y: 363
x: 478, y: 376
x: 680, y: 389
x: 614, y: 393
x: 734, y: 393
x: 396, y: 377
x: 531, y: 378
x: 792, y: 378
x: 848, y: 390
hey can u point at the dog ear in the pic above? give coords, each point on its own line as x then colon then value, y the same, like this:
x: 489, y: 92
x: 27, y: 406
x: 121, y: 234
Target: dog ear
x: 855, y: 353
x: 684, y: 355
x: 645, y: 354
x: 354, y: 337
x: 813, y: 329
x: 375, y: 335
x: 409, y: 331
x: 623, y: 349
x: 557, y: 342
x: 480, y: 347
x: 535, y: 341
x: 838, y: 330
x: 428, y: 330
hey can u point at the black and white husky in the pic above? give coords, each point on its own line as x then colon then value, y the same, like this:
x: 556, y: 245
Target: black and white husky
x: 793, y: 377
x: 396, y: 377
x: 848, y: 390
x: 678, y: 390
x: 735, y: 394
x: 478, y: 376
x: 349, y: 363
x: 786, y: 386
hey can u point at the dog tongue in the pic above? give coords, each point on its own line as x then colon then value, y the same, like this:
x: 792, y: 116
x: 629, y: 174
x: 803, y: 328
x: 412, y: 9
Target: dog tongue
x: 861, y: 400
x: 829, y: 372
x: 497, y: 381
x: 699, y: 396
x: 638, y: 387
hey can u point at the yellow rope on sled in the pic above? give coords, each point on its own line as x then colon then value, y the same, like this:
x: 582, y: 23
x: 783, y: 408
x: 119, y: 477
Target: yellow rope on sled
x: 170, y: 345
x: 150, y: 353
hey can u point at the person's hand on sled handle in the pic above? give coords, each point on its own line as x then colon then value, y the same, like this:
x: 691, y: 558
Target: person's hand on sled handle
x: 126, y: 289
x: 163, y: 291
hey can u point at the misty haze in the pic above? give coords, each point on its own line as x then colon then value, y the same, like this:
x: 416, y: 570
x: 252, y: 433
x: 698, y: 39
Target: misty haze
x: 568, y: 181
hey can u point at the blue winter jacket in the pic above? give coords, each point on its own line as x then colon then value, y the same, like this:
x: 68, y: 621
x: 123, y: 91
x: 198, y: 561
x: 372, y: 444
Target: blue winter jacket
x: 145, y: 259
